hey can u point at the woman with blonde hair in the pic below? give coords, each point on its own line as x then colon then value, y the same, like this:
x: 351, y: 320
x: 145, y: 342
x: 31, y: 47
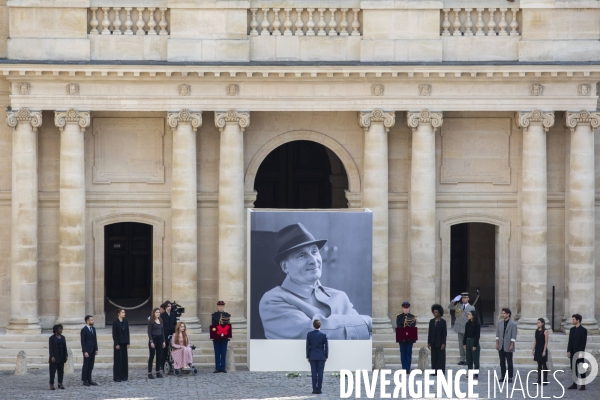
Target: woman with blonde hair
x: 181, y: 348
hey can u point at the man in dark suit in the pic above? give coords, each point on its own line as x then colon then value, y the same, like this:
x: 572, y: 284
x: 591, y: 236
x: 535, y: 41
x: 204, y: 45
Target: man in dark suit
x: 317, y: 352
x: 89, y: 347
x: 170, y: 320
x: 577, y: 342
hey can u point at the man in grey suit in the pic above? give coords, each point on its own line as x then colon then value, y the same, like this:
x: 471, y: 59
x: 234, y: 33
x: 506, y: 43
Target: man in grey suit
x: 506, y: 336
x: 461, y: 308
x: 288, y: 311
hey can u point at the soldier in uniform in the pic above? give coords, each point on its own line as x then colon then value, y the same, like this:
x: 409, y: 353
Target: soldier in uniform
x: 404, y: 320
x: 219, y: 318
x: 461, y: 308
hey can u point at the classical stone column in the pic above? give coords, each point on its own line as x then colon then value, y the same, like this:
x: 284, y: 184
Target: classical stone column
x: 581, y: 244
x: 232, y: 244
x: 377, y: 124
x: 24, y: 224
x: 534, y: 216
x: 184, y: 214
x: 71, y: 309
x: 422, y: 213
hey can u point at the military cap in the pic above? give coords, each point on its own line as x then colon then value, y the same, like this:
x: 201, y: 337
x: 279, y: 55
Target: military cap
x: 220, y: 303
x: 406, y: 304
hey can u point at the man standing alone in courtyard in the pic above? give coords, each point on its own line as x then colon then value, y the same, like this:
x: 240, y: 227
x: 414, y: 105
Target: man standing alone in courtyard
x: 577, y: 342
x: 461, y: 308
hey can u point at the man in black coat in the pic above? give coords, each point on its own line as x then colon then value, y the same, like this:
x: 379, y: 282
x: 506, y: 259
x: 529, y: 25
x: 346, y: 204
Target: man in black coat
x: 120, y: 335
x: 436, y: 339
x: 317, y: 352
x: 170, y: 320
x: 89, y: 347
x: 577, y: 342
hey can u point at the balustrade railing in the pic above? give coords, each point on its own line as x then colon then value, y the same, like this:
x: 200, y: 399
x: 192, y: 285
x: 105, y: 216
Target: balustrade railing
x: 480, y: 22
x: 128, y: 21
x: 304, y: 22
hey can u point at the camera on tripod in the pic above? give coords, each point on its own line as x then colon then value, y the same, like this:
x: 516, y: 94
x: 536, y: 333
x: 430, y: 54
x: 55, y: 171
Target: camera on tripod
x: 177, y: 309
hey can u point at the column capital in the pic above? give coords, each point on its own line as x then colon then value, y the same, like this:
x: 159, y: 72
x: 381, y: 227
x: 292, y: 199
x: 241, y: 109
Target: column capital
x: 24, y: 115
x: 583, y: 117
x: 232, y: 115
x: 72, y: 116
x: 526, y: 118
x: 425, y: 116
x: 365, y: 118
x: 185, y: 115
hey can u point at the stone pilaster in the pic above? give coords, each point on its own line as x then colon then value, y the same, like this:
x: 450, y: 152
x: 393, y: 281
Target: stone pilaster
x: 184, y: 214
x: 534, y: 217
x: 24, y: 317
x: 232, y: 244
x: 581, y: 227
x: 422, y: 213
x: 377, y: 124
x: 72, y: 124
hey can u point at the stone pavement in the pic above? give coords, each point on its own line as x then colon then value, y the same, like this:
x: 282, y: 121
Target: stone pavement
x: 236, y: 385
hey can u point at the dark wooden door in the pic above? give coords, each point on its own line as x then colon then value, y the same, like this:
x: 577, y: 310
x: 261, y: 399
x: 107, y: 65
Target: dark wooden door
x: 294, y: 175
x: 128, y: 262
x: 459, y: 259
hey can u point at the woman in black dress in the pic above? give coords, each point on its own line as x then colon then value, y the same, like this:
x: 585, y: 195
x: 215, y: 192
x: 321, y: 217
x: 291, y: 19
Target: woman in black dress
x: 120, y: 335
x: 540, y: 350
x: 57, y: 347
x: 436, y: 339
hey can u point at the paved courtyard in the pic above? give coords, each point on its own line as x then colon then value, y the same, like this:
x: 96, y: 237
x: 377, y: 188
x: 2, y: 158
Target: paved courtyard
x: 237, y: 385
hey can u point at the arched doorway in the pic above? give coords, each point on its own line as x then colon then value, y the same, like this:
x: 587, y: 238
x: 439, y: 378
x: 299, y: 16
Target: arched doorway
x: 128, y: 270
x: 473, y: 265
x: 301, y: 174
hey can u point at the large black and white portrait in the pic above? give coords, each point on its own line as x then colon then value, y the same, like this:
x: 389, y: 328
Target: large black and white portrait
x: 307, y: 265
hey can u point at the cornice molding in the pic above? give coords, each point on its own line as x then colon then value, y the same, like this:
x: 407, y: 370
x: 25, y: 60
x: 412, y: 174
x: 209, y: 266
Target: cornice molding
x: 525, y: 118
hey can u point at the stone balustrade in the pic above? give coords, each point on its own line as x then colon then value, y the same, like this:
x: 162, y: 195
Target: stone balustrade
x: 304, y: 21
x: 128, y: 21
x: 480, y: 22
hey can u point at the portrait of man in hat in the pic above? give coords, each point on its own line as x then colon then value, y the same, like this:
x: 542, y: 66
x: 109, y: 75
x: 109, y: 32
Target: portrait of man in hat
x: 288, y: 311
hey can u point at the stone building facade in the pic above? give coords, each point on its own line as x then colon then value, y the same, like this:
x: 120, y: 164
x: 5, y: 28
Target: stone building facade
x: 432, y: 114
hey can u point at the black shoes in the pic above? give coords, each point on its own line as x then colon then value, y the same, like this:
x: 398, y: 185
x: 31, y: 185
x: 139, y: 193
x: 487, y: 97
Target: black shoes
x: 314, y: 392
x: 223, y: 371
x: 573, y: 386
x: 116, y: 380
x: 86, y: 383
x: 61, y: 386
x: 158, y: 375
x: 462, y: 363
x: 582, y: 387
x: 216, y: 371
x: 509, y: 380
x: 93, y: 383
x: 150, y: 376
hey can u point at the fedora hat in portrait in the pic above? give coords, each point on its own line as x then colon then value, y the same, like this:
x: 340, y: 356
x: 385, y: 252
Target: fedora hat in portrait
x: 292, y: 237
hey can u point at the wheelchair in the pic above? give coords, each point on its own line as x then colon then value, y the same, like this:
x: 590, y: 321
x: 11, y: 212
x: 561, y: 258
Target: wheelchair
x: 170, y: 364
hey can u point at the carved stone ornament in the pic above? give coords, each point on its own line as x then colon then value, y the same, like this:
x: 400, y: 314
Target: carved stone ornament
x: 572, y: 119
x: 232, y: 115
x: 232, y: 90
x: 525, y: 118
x: 194, y: 118
x: 73, y: 89
x: 24, y: 88
x: 377, y: 90
x: 24, y: 115
x: 365, y: 118
x: 185, y: 90
x: 584, y: 89
x: 424, y: 90
x: 72, y: 116
x: 536, y: 89
x: 413, y: 119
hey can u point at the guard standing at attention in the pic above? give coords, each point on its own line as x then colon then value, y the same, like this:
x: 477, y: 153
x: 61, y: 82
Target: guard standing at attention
x: 405, y: 320
x: 220, y: 318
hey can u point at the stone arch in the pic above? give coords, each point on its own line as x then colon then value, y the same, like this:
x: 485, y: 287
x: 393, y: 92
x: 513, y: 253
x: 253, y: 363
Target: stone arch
x: 354, y: 188
x: 502, y: 238
x: 158, y: 234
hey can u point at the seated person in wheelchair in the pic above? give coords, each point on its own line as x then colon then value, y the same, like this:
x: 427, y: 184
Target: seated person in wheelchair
x: 181, y: 348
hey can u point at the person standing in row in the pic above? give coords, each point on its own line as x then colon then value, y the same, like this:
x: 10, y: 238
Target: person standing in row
x: 540, y: 350
x: 156, y: 334
x: 57, y: 347
x: 220, y: 345
x: 471, y: 342
x: 317, y: 352
x: 405, y: 320
x: 89, y: 347
x: 120, y: 335
x: 170, y: 320
x: 577, y: 342
x: 506, y: 336
x: 436, y: 339
x: 461, y: 307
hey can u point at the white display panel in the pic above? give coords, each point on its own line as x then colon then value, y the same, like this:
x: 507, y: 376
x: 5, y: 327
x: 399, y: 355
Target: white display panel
x: 290, y: 355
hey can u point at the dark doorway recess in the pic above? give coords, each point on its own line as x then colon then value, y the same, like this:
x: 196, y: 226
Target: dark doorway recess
x: 128, y: 270
x: 473, y: 265
x: 299, y: 175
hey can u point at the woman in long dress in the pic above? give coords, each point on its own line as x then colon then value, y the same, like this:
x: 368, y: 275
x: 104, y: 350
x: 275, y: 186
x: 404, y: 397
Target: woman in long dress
x: 540, y: 350
x: 182, y: 348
